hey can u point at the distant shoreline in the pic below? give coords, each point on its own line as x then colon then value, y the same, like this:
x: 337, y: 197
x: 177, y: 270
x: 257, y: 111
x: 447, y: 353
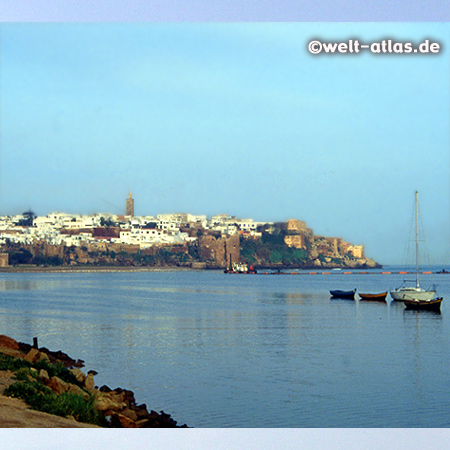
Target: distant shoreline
x: 130, y: 269
x: 90, y: 269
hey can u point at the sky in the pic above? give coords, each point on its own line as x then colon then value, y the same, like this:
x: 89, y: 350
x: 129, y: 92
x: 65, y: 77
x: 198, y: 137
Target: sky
x: 225, y: 10
x: 230, y: 118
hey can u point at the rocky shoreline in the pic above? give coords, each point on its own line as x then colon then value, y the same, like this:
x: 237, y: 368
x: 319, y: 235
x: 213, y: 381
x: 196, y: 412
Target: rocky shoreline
x: 89, y: 269
x: 194, y: 267
x: 118, y: 407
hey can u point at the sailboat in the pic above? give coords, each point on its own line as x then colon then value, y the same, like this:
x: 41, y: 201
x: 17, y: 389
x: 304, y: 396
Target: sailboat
x: 415, y: 295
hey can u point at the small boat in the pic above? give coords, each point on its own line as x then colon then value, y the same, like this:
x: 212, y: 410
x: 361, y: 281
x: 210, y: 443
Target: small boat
x: 427, y: 305
x: 381, y: 297
x: 241, y: 268
x: 407, y: 293
x: 343, y: 294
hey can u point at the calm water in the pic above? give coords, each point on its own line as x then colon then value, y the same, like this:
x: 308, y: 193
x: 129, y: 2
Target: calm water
x: 216, y: 350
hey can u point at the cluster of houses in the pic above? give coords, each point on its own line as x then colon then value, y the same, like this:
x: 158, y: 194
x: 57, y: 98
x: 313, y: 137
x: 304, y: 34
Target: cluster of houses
x: 215, y: 236
x: 145, y: 231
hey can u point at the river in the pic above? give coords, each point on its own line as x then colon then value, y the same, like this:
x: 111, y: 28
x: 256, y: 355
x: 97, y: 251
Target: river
x: 222, y: 350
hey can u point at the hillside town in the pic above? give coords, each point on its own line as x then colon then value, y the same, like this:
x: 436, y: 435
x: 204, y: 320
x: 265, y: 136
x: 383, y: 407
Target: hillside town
x: 168, y: 239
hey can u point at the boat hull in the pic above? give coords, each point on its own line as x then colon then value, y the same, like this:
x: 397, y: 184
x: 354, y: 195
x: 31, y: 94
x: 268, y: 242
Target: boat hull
x: 343, y: 294
x: 412, y: 294
x: 427, y: 305
x: 374, y: 297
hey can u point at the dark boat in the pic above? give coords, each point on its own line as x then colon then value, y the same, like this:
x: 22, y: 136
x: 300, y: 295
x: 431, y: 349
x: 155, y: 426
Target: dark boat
x: 343, y: 294
x: 427, y: 305
x: 381, y: 297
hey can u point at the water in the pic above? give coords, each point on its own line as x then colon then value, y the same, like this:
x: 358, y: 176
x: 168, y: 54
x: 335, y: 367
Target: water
x: 216, y: 350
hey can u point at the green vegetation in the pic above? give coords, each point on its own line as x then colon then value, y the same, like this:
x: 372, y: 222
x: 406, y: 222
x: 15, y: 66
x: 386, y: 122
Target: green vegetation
x: 8, y: 362
x: 21, y: 256
x: 163, y: 256
x: 47, y: 260
x: 41, y: 398
x: 158, y: 256
x: 30, y: 388
x: 28, y: 218
x: 107, y: 222
x: 271, y: 249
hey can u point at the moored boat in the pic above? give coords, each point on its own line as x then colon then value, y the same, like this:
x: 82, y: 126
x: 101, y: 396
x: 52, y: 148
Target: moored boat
x: 381, y: 297
x: 241, y: 268
x: 343, y: 294
x: 428, y: 305
x: 412, y: 293
x: 407, y: 293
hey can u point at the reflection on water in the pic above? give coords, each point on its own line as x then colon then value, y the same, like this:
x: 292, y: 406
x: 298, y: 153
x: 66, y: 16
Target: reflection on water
x: 27, y: 284
x: 282, y: 298
x: 218, y: 351
x: 14, y: 285
x: 181, y: 290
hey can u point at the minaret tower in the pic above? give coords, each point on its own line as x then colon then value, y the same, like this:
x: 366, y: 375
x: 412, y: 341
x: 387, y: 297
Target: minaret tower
x: 130, y: 206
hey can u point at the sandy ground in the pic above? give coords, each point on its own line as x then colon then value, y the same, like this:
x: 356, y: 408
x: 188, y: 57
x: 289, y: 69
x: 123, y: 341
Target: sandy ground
x: 15, y: 413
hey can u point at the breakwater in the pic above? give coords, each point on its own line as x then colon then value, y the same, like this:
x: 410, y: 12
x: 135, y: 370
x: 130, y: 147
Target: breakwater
x: 340, y: 272
x: 44, y: 380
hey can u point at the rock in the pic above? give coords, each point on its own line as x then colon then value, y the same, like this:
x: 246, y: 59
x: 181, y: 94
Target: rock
x: 74, y: 389
x: 43, y: 357
x: 57, y: 385
x: 118, y: 397
x: 130, y: 414
x: 8, y: 342
x: 121, y: 421
x: 166, y: 421
x: 12, y: 352
x: 141, y: 411
x: 79, y: 375
x: 104, y: 403
x: 34, y: 356
x: 43, y: 375
x: 370, y: 263
x: 105, y: 388
x: 31, y: 355
x: 117, y: 406
x: 144, y: 423
x: 89, y: 383
x: 66, y: 360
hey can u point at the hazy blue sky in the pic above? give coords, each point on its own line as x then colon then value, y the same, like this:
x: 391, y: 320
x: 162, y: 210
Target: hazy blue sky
x: 230, y: 118
x: 225, y: 10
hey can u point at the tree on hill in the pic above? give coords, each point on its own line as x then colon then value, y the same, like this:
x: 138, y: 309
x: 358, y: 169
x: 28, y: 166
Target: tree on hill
x: 28, y: 218
x: 107, y: 222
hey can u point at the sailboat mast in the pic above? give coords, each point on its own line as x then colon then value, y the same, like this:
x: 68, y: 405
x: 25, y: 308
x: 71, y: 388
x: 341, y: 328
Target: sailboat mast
x: 417, y: 239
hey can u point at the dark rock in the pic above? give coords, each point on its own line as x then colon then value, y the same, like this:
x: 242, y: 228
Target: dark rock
x: 65, y: 359
x: 105, y: 388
